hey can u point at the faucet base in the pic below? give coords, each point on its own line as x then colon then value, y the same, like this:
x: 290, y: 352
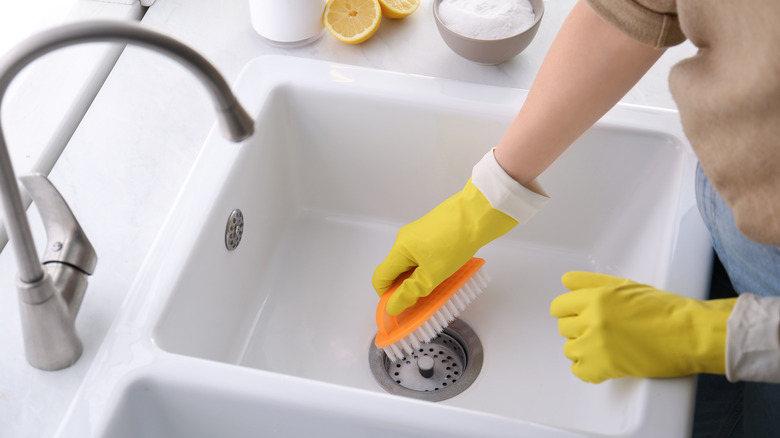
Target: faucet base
x: 48, y: 326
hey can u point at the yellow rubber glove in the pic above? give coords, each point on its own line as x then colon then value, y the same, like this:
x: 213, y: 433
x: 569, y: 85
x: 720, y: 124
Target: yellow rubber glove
x: 438, y: 244
x: 619, y: 328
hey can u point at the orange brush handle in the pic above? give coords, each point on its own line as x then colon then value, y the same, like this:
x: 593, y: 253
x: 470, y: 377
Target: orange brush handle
x: 394, y: 328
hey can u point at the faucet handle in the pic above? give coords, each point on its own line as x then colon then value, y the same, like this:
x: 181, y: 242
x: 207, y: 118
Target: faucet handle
x: 67, y: 242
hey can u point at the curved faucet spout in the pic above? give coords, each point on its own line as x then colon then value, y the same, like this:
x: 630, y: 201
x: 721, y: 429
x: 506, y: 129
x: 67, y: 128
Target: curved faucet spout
x: 54, y: 301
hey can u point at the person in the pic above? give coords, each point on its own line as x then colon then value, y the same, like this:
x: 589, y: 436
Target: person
x: 728, y: 96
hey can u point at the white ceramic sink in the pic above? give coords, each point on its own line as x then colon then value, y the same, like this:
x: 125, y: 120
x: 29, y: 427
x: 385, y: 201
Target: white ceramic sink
x: 272, y: 339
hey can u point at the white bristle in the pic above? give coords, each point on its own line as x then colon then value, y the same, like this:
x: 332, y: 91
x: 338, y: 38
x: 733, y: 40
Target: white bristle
x: 483, y: 279
x: 393, y: 352
x: 441, y: 320
x: 455, y: 299
x: 415, y: 340
x: 473, y: 289
x: 445, y: 314
x: 406, y: 346
x: 421, y: 334
x: 465, y: 297
x: 468, y: 291
x: 429, y: 331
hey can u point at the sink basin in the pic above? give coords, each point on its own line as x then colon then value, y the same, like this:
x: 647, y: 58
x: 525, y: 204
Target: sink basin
x: 272, y: 338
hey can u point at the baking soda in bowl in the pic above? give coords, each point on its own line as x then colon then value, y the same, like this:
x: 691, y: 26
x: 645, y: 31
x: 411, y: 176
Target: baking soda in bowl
x: 486, y: 19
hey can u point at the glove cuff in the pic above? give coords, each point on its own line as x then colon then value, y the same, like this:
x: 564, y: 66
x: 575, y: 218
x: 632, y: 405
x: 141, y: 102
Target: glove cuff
x: 505, y: 194
x: 753, y: 342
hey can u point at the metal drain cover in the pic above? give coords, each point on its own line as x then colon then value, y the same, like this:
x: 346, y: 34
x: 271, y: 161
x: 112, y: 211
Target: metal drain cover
x: 234, y: 229
x: 438, y: 370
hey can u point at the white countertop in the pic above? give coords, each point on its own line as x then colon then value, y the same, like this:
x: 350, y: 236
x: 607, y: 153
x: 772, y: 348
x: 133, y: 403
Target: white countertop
x: 127, y: 160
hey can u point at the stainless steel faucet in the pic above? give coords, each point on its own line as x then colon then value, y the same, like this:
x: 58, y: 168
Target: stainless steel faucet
x: 51, y: 291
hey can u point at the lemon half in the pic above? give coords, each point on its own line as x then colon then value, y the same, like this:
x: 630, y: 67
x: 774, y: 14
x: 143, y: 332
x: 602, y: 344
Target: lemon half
x: 398, y: 8
x: 352, y: 21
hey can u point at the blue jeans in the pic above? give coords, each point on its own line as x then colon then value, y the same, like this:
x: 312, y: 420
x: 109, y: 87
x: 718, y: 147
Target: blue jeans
x: 752, y: 267
x: 742, y: 409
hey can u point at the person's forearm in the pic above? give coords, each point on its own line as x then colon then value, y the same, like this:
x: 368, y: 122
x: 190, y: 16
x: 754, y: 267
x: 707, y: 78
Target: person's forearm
x: 589, y: 68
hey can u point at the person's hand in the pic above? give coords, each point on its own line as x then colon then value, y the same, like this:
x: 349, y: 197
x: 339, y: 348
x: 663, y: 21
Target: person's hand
x: 619, y: 328
x: 440, y: 242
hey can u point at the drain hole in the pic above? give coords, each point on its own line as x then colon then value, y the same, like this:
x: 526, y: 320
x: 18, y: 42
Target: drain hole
x: 419, y: 376
x: 234, y: 229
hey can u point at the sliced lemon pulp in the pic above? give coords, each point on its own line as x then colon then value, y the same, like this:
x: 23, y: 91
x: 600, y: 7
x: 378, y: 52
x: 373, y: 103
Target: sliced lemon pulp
x: 352, y: 21
x: 398, y: 8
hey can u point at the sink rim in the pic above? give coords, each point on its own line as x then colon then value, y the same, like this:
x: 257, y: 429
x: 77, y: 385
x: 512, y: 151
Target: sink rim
x: 129, y: 353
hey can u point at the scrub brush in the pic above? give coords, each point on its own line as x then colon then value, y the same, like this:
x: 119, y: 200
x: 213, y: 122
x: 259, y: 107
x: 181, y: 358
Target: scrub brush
x: 403, y: 334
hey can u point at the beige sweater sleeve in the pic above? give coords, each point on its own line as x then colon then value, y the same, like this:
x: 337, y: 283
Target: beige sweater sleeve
x: 653, y: 22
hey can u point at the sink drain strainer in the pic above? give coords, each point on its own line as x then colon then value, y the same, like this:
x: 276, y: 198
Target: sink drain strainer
x: 234, y: 229
x: 438, y: 370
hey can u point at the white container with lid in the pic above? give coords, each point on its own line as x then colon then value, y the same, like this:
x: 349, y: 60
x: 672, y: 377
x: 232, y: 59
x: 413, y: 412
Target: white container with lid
x: 288, y: 23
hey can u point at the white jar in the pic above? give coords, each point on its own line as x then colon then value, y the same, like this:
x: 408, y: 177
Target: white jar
x: 288, y: 23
